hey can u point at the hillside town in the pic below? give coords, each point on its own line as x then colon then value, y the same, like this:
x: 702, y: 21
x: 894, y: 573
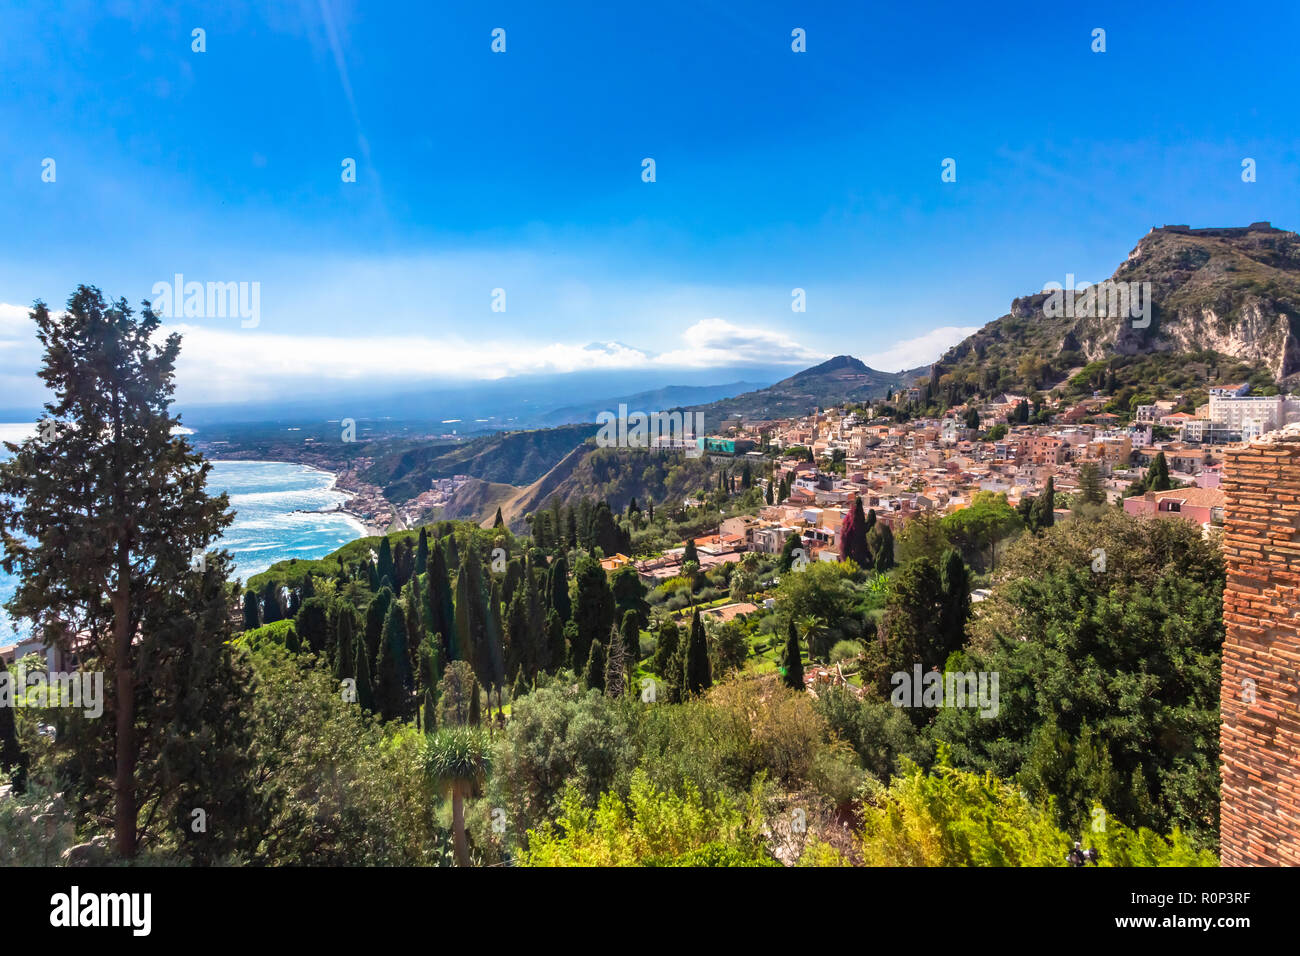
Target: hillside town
x: 902, y: 469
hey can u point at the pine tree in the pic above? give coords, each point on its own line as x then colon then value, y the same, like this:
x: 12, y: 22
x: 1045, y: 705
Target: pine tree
x: 594, y: 675
x: 792, y: 669
x: 102, y: 512
x: 1090, y: 487
x: 251, y: 608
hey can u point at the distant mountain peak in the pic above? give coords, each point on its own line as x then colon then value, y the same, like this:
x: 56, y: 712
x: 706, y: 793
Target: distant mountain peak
x: 839, y: 363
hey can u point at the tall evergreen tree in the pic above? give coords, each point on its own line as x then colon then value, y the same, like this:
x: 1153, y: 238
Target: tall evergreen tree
x: 690, y: 553
x: 630, y: 633
x: 384, y: 567
x: 954, y: 579
x: 312, y: 624
x: 251, y: 611
x: 441, y: 604
x: 793, y: 663
x: 376, y: 612
x: 422, y: 552
x: 557, y: 649
x: 594, y: 675
x: 391, y: 684
x: 498, y: 521
x: 1158, y: 480
x: 1044, y: 507
x: 365, y: 686
x: 697, y: 672
x: 557, y: 589
x: 792, y: 544
x: 271, y: 609
x: 593, y: 611
x: 345, y: 661
x: 883, y: 547
x: 103, y: 512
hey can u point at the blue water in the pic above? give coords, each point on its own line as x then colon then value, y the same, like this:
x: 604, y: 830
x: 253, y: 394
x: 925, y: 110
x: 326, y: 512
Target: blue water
x: 270, y: 500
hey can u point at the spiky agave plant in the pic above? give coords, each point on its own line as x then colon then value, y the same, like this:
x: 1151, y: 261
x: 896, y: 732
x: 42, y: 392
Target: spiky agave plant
x: 458, y: 759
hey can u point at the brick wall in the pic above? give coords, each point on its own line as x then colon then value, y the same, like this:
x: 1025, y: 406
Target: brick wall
x: 1260, y: 740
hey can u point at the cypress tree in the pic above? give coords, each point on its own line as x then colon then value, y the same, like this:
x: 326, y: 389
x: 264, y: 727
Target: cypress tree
x: 557, y: 589
x: 271, y: 610
x: 884, y: 548
x: 594, y: 609
x: 375, y: 615
x: 690, y: 554
x: 954, y: 580
x: 250, y: 611
x: 698, y: 675
x: 345, y: 662
x: 365, y: 689
x: 594, y: 676
x: 422, y: 552
x: 792, y: 543
x: 793, y: 664
x: 630, y: 632
x: 312, y: 624
x: 291, y: 641
x: 451, y: 553
x: 475, y: 708
x: 557, y: 649
x: 441, y: 604
x: 1158, y: 480
x: 498, y: 521
x: 521, y: 687
x: 430, y: 710
x: 385, y: 568
x: 1044, y: 515
x: 390, y: 687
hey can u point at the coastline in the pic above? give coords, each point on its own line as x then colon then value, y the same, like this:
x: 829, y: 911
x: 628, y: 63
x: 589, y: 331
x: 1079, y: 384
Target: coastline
x: 365, y: 505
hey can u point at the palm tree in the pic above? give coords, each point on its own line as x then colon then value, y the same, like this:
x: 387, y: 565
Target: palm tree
x: 457, y: 759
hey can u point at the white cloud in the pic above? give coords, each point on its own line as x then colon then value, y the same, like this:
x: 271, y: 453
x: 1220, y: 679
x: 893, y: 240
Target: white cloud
x: 922, y: 350
x: 229, y: 364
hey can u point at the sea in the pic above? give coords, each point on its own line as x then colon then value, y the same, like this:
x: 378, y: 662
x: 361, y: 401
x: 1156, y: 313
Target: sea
x: 282, y: 511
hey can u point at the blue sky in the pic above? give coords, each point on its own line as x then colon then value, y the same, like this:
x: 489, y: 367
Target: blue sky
x: 522, y: 171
